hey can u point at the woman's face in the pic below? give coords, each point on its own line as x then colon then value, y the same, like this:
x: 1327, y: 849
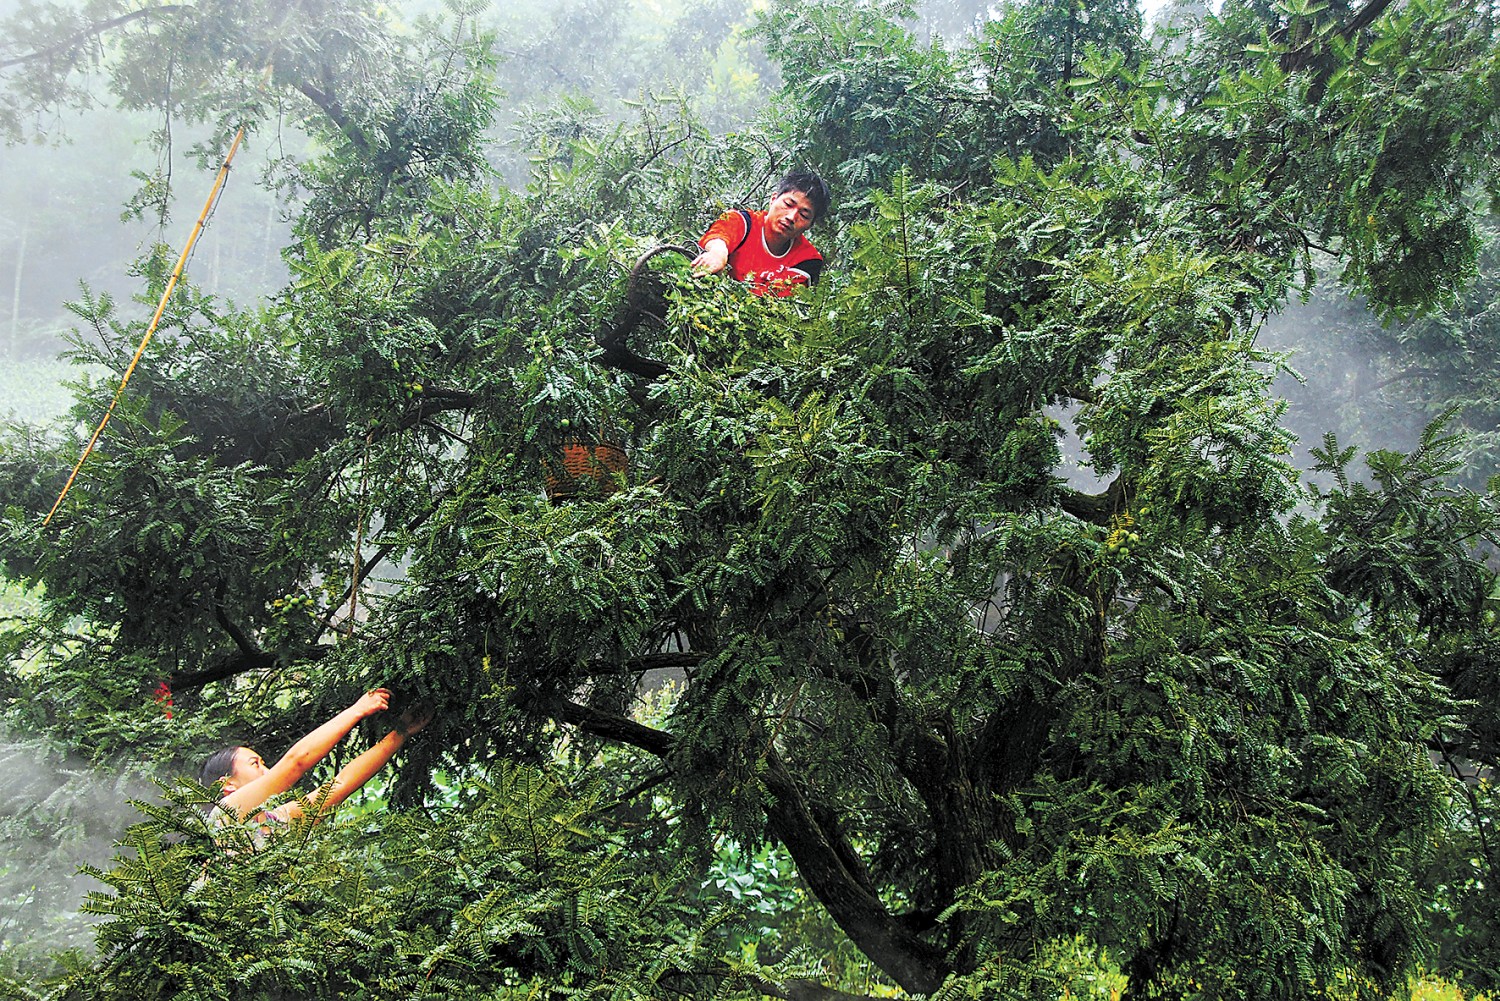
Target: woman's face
x: 248, y: 767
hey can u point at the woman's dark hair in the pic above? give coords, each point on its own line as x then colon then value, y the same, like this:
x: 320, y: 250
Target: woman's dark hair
x: 218, y: 766
x: 811, y: 185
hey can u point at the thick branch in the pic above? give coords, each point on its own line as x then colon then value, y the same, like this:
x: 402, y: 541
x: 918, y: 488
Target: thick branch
x: 682, y: 660
x: 436, y: 401
x: 330, y: 106
x: 1364, y: 18
x: 241, y: 641
x: 1304, y: 54
x: 913, y: 963
x: 240, y: 663
x: 933, y: 757
x: 618, y: 728
x: 1094, y: 508
x: 299, y: 434
x: 302, y: 433
x: 92, y: 31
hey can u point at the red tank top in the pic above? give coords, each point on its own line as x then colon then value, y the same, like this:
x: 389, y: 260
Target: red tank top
x: 750, y: 260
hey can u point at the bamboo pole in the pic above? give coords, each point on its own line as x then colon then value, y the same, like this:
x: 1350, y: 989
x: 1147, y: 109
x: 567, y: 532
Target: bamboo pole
x: 161, y: 308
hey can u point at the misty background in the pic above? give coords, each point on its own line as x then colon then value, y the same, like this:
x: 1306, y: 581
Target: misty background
x: 86, y: 201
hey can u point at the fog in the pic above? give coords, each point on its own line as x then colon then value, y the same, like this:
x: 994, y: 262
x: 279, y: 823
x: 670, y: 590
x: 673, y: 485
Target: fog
x: 64, y: 226
x: 57, y: 813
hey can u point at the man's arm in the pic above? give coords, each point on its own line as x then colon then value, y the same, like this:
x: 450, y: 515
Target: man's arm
x: 729, y: 230
x: 714, y: 258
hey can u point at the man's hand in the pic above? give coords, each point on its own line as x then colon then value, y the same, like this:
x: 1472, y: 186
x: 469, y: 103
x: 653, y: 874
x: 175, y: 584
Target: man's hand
x: 374, y: 701
x: 713, y: 259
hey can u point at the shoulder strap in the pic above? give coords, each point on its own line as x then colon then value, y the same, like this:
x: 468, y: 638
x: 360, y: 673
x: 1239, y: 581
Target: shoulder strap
x: 746, y: 217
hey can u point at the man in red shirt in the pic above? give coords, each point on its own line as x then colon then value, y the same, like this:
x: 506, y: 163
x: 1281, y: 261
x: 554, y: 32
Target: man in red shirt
x: 767, y: 249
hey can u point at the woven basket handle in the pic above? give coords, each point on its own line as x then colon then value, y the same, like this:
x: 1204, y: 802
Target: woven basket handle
x: 643, y: 298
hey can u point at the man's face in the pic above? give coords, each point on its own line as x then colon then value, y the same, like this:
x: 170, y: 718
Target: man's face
x: 789, y: 216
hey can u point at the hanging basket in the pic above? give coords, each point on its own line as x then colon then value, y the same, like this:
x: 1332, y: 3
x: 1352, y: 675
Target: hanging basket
x: 578, y: 467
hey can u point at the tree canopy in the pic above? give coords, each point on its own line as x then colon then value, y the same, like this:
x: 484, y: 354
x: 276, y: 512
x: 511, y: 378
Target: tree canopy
x: 998, y: 605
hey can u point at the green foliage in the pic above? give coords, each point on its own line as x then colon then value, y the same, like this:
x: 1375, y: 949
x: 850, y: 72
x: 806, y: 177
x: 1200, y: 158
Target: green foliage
x: 513, y: 892
x: 1017, y: 733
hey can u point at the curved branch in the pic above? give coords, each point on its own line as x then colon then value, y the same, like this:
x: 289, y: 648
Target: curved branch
x: 1094, y: 508
x: 1391, y: 380
x: 92, y: 31
x: 643, y: 298
x: 676, y: 142
x: 821, y: 855
x: 435, y: 401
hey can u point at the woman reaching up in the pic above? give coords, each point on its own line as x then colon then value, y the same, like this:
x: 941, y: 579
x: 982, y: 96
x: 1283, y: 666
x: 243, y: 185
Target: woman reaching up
x: 248, y: 784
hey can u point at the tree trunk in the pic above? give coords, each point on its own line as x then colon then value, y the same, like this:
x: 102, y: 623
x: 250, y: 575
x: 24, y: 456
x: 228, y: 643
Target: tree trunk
x: 835, y: 877
x: 916, y: 965
x: 15, y: 299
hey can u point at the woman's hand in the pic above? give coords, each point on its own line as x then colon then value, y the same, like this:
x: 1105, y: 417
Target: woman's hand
x: 376, y: 700
x: 414, y: 719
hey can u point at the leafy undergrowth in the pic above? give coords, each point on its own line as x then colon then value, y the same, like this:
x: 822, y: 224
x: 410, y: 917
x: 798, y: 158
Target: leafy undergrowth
x: 1430, y: 988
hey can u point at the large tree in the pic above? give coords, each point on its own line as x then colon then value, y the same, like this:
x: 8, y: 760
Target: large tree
x: 1185, y: 721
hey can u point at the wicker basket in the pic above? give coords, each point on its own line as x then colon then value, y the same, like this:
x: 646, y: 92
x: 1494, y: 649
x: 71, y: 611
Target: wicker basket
x: 579, y: 467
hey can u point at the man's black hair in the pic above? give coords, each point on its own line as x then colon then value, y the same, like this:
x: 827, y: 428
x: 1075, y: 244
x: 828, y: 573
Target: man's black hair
x: 218, y: 765
x: 811, y: 185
